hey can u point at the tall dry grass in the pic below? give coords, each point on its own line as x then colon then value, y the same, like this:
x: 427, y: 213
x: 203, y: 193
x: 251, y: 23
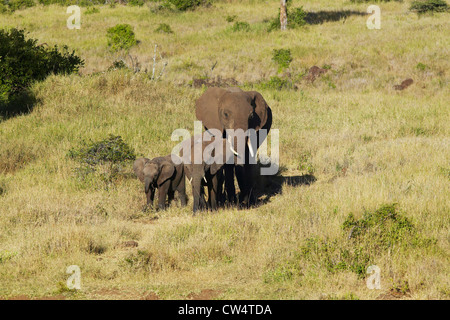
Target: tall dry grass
x: 365, y: 143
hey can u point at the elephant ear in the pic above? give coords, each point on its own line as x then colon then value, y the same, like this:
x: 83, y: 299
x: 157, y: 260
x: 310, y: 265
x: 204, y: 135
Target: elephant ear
x: 261, y: 108
x: 138, y: 168
x: 166, y: 172
x: 207, y: 108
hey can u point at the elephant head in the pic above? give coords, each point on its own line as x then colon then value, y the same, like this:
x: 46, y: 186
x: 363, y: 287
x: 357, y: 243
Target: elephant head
x: 153, y: 172
x: 233, y: 108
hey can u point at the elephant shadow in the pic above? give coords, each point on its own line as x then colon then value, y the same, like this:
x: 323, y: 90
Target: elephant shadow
x: 268, y: 186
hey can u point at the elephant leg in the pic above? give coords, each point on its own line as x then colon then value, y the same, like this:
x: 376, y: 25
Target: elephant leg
x: 229, y: 184
x: 196, y: 193
x: 204, y: 204
x: 150, y: 195
x: 250, y: 177
x: 181, y: 192
x: 170, y: 196
x: 241, y: 176
x: 220, y: 181
x: 213, y: 194
x: 162, y: 194
x: 183, y: 197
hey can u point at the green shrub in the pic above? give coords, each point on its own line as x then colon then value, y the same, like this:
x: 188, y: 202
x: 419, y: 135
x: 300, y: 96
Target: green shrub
x: 22, y: 62
x: 164, y: 28
x: 305, y: 163
x: 364, y: 240
x: 296, y: 18
x: 19, y: 4
x: 81, y: 3
x: 422, y: 67
x: 282, y: 57
x: 108, y: 156
x: 231, y: 18
x: 362, y: 1
x: 428, y: 6
x: 275, y: 83
x: 136, y: 3
x: 121, y: 37
x: 3, y: 8
x: 110, y: 150
x: 240, y: 26
x: 118, y: 64
x: 92, y: 10
x: 184, y: 5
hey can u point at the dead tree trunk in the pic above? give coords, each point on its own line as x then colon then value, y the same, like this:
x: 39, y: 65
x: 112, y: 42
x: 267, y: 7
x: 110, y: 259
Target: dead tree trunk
x: 283, y: 15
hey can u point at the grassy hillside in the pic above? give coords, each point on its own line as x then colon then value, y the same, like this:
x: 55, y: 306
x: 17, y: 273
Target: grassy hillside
x: 366, y: 144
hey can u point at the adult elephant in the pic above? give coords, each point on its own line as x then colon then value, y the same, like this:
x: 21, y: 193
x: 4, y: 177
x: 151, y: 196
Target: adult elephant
x: 233, y: 108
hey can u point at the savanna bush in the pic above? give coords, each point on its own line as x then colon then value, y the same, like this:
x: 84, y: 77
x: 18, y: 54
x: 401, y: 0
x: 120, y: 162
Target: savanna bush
x: 428, y: 6
x: 362, y: 243
x: 164, y: 28
x: 184, y: 5
x: 231, y: 18
x: 121, y: 37
x: 92, y: 10
x: 362, y: 1
x: 81, y: 3
x: 275, y: 83
x: 136, y: 3
x: 109, y: 154
x: 240, y: 26
x: 23, y: 61
x: 282, y: 57
x: 296, y: 18
x: 14, y: 5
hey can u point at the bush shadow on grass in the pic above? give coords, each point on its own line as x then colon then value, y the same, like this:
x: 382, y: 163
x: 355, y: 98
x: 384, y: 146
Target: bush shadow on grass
x: 320, y: 17
x: 22, y: 103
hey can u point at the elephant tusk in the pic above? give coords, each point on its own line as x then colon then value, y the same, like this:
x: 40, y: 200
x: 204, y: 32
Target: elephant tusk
x: 205, y: 179
x: 250, y: 148
x: 231, y: 147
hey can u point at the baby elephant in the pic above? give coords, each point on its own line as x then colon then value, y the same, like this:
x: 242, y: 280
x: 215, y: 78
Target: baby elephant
x: 162, y: 174
x: 208, y: 172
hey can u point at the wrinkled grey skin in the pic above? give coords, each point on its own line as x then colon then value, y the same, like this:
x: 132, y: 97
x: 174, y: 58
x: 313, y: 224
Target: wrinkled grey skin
x: 204, y: 174
x: 162, y: 174
x: 233, y: 108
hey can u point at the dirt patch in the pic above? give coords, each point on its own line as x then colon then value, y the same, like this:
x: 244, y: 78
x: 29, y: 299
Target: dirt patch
x: 392, y: 295
x: 205, y: 294
x: 151, y: 296
x: 108, y: 292
x: 215, y: 82
x: 24, y: 297
x: 128, y: 244
x: 405, y: 84
x: 314, y: 72
x: 122, y: 294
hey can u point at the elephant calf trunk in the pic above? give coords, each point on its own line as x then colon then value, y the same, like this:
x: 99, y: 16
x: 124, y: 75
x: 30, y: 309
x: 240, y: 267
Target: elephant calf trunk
x: 147, y: 182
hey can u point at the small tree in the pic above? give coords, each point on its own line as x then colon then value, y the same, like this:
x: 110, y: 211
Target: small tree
x: 121, y: 37
x: 23, y: 61
x: 283, y: 15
